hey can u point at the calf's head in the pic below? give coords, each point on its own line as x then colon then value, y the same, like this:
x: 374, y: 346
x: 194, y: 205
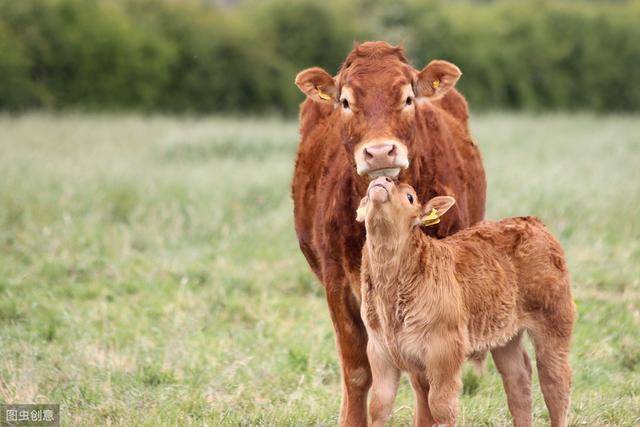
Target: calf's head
x: 376, y: 96
x: 390, y: 208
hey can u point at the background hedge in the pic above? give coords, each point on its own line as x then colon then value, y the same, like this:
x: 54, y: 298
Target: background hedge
x: 194, y: 56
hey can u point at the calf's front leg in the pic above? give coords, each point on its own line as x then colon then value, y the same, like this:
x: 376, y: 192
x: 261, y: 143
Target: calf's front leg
x: 384, y: 388
x: 444, y: 359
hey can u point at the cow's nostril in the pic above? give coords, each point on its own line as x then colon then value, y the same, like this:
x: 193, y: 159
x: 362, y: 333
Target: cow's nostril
x: 392, y: 152
x: 367, y: 154
x: 387, y: 179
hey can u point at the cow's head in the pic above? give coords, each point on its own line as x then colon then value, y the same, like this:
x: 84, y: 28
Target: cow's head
x: 376, y: 92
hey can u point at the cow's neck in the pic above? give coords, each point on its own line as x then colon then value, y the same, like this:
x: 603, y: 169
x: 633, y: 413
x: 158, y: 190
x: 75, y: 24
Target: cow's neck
x: 359, y: 184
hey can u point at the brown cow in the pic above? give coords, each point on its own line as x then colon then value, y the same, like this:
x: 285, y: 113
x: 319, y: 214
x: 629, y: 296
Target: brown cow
x: 428, y: 304
x: 378, y: 116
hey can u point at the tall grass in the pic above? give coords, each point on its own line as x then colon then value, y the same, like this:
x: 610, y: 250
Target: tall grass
x: 149, y: 271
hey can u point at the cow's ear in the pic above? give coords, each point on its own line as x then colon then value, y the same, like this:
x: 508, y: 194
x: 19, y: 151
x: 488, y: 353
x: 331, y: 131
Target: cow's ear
x: 317, y: 84
x: 437, y: 78
x: 435, y: 208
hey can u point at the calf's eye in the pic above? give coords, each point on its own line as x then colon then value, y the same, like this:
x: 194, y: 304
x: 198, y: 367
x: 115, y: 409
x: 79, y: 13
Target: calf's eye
x: 409, y: 101
x: 345, y: 104
x: 410, y: 197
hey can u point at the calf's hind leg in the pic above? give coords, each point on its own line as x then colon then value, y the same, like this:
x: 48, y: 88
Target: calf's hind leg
x: 420, y: 386
x: 514, y: 366
x: 554, y: 372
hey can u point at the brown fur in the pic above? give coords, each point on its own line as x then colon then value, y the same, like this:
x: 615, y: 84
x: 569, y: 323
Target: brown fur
x: 429, y: 304
x: 326, y: 188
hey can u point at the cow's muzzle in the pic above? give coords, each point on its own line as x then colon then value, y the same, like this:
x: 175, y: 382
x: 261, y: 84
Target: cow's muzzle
x: 381, y: 158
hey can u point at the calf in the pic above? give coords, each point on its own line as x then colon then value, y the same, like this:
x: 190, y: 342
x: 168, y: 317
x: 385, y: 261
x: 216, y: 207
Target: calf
x: 428, y: 304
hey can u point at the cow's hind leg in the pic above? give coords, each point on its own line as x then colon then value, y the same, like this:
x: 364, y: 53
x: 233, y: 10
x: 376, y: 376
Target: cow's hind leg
x: 554, y: 372
x: 514, y: 366
x: 351, y: 338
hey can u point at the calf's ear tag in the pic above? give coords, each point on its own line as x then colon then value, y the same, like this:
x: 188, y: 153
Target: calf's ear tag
x: 431, y: 219
x: 435, y: 84
x: 323, y: 95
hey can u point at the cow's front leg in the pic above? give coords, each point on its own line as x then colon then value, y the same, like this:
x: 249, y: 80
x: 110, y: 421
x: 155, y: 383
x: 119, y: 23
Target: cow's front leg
x: 351, y: 338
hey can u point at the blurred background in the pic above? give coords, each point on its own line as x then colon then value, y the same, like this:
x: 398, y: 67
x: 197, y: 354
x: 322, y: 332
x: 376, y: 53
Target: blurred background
x: 239, y: 56
x: 149, y: 269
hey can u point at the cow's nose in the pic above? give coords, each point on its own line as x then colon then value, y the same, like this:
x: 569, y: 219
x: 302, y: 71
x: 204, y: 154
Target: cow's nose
x: 380, y: 154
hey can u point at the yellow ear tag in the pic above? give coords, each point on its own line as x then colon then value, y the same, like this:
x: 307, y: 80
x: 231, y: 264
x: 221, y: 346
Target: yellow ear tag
x: 323, y: 95
x: 361, y: 212
x: 431, y: 219
x: 435, y: 84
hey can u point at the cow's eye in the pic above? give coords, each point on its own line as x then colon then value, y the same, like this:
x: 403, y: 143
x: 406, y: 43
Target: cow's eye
x: 345, y: 104
x: 409, y: 101
x: 410, y: 197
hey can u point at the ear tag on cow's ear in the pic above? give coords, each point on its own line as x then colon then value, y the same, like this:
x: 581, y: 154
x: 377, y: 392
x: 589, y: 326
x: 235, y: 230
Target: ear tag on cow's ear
x: 435, y: 84
x: 431, y: 219
x: 323, y: 95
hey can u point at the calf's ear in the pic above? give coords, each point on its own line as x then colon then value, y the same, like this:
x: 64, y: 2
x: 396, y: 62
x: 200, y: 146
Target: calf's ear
x: 436, y: 79
x: 435, y: 208
x: 317, y: 84
x: 361, y: 213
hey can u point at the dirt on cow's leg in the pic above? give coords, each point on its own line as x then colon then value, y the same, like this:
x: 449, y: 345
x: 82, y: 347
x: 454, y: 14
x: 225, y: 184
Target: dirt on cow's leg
x: 351, y: 338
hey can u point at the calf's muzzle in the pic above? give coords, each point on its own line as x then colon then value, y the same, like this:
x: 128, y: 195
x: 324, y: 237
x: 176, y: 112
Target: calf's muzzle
x: 380, y: 189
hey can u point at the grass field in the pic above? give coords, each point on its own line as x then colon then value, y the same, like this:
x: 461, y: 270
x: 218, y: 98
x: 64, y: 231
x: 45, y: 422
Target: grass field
x: 149, y: 271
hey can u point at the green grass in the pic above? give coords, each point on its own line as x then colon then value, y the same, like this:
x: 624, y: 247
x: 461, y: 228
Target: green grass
x: 149, y: 271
